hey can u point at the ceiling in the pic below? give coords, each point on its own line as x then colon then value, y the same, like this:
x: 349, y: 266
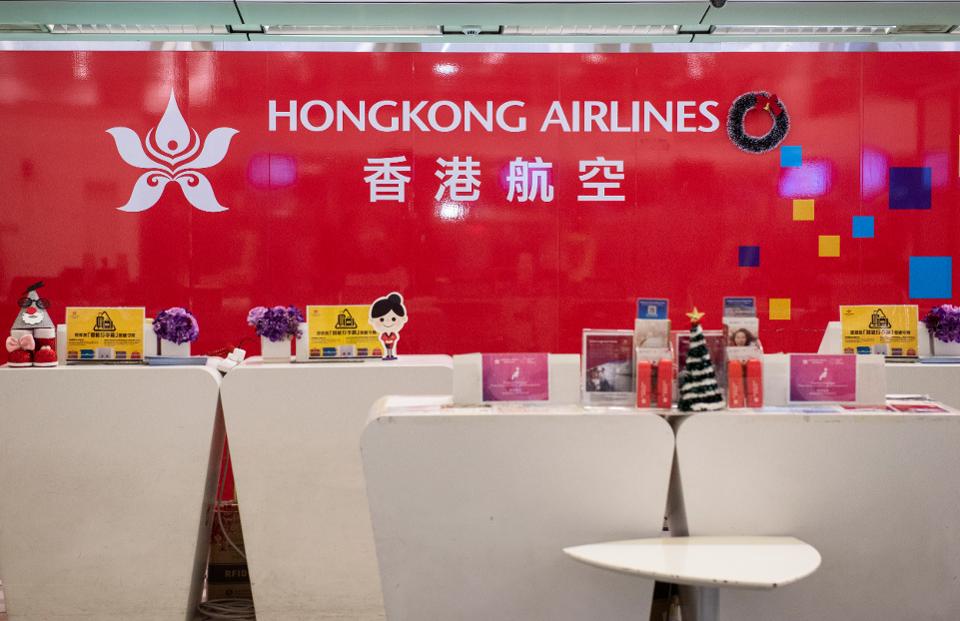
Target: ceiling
x: 480, y: 20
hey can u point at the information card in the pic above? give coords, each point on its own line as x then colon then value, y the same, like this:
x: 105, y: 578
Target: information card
x: 104, y: 334
x: 823, y: 377
x: 516, y: 377
x: 341, y: 332
x: 890, y: 330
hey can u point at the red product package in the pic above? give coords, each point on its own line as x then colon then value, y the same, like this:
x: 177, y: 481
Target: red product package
x: 735, y: 388
x: 754, y: 383
x: 665, y: 384
x: 644, y: 385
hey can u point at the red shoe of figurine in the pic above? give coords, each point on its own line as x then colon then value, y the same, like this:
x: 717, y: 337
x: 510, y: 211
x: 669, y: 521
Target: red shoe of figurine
x: 45, y: 357
x: 20, y: 358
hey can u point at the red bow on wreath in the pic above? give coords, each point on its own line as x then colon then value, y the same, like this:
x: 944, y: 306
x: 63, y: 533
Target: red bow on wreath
x: 770, y: 104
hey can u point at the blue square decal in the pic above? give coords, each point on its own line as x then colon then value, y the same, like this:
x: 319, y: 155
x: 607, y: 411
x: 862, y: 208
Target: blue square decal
x: 862, y: 227
x: 931, y: 278
x: 791, y: 157
x: 749, y: 256
x: 910, y: 188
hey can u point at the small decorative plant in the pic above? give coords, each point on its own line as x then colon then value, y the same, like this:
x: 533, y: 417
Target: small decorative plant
x: 943, y: 322
x: 276, y: 324
x: 177, y: 325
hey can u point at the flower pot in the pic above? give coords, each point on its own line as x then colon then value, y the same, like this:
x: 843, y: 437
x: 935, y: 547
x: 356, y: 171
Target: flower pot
x: 170, y: 349
x: 275, y: 351
x: 941, y: 348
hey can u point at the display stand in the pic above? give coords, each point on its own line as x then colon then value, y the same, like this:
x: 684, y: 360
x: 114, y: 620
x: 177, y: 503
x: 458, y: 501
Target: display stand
x: 472, y: 506
x: 871, y: 380
x: 107, y: 478
x: 564, y: 378
x: 294, y: 433
x: 870, y: 491
x: 940, y: 381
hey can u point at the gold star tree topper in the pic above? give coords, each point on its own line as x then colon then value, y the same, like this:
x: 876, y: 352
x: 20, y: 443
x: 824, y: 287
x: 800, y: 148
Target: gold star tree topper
x: 695, y: 315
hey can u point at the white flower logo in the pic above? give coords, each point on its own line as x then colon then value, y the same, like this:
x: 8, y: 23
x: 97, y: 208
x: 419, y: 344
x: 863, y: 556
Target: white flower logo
x: 173, y: 156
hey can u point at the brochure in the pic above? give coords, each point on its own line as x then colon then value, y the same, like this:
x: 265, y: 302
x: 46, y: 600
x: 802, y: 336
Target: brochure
x: 607, y: 367
x: 739, y: 307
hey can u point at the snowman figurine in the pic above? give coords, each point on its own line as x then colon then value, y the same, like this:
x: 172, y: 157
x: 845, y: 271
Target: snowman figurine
x: 33, y: 337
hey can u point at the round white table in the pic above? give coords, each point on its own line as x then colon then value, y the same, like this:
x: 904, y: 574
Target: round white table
x: 708, y: 562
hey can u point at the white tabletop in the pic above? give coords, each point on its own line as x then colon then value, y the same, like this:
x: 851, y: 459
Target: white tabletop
x: 730, y: 562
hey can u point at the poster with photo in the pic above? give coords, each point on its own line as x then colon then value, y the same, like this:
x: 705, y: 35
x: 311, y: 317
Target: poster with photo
x: 608, y: 364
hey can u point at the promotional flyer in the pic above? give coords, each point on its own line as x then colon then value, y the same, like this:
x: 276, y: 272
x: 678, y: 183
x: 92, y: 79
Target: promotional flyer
x: 105, y: 334
x: 341, y: 332
x: 890, y: 330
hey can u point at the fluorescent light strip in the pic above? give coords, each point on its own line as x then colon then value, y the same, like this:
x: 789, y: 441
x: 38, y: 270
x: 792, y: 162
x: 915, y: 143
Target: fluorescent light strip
x: 6, y: 28
x: 923, y: 29
x: 625, y: 30
x: 818, y: 31
x: 135, y: 29
x: 355, y: 31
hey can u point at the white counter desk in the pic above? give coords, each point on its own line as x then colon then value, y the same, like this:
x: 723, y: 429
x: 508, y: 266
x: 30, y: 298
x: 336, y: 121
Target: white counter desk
x: 294, y: 433
x: 876, y: 494
x: 940, y: 381
x: 107, y: 476
x: 471, y: 507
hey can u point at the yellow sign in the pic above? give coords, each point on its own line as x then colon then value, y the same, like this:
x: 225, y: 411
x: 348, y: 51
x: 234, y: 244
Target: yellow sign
x: 890, y: 330
x: 341, y: 332
x: 104, y: 334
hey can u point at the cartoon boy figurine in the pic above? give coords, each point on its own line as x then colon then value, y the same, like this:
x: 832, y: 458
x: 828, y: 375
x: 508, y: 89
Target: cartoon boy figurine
x: 33, y: 337
x: 387, y: 317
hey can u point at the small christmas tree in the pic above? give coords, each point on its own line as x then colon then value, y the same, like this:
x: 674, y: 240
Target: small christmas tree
x: 699, y: 391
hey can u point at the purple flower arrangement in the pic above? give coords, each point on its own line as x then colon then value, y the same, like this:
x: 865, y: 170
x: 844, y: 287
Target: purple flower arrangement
x: 944, y: 323
x: 278, y: 323
x: 176, y: 324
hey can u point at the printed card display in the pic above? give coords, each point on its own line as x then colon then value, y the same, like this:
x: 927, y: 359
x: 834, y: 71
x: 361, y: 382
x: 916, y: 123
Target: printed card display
x: 516, y: 377
x: 653, y: 308
x: 341, y: 332
x: 105, y: 334
x: 608, y: 365
x: 651, y: 328
x: 890, y: 330
x: 823, y: 378
x: 739, y: 307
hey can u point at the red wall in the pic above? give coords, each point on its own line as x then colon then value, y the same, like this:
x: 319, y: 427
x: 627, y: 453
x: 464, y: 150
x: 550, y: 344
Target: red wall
x: 505, y: 276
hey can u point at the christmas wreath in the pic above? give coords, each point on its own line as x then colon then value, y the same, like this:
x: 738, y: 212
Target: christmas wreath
x: 760, y: 100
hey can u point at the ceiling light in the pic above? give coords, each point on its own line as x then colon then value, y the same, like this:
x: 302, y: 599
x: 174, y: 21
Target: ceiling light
x: 922, y: 29
x: 592, y: 31
x: 23, y: 28
x: 355, y: 31
x: 135, y: 29
x: 816, y: 31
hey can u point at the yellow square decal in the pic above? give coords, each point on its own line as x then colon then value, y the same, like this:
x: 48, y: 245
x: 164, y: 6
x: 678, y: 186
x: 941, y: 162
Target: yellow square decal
x: 803, y: 210
x: 780, y: 309
x: 829, y: 245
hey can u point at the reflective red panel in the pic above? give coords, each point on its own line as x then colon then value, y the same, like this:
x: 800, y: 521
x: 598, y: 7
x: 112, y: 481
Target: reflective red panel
x: 479, y: 271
